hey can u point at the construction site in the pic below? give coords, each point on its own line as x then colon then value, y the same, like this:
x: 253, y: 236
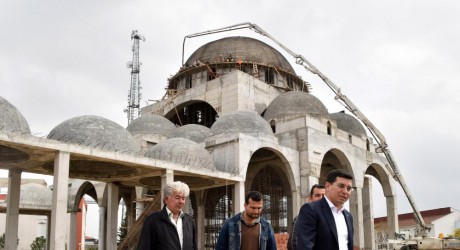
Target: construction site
x: 235, y: 117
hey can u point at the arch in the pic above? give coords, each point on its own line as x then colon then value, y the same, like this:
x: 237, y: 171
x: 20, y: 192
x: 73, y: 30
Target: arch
x: 84, y: 188
x: 218, y: 208
x: 270, y: 173
x: 193, y: 112
x: 334, y: 159
x: 379, y: 172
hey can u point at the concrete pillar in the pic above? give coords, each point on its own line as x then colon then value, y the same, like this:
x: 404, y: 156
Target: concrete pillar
x: 356, y: 207
x: 368, y: 215
x: 238, y: 197
x: 73, y: 231
x: 59, y: 205
x: 139, y: 205
x: 167, y: 176
x: 131, y: 209
x: 392, y: 216
x: 12, y: 209
x: 112, y: 216
x: 199, y: 218
x: 101, y: 244
x: 48, y: 232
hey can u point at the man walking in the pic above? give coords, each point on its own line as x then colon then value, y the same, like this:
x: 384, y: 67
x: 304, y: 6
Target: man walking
x: 247, y: 230
x: 170, y: 228
x: 325, y: 224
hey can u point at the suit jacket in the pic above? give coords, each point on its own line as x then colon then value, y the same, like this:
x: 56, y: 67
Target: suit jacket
x: 159, y: 233
x: 316, y: 229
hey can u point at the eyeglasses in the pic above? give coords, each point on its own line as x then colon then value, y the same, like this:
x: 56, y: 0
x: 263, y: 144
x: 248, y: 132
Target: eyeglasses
x: 347, y: 188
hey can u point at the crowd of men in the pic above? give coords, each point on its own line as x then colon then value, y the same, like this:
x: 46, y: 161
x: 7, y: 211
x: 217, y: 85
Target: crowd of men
x: 322, y: 223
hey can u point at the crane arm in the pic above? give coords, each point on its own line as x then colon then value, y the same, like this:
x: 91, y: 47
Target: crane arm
x: 344, y: 100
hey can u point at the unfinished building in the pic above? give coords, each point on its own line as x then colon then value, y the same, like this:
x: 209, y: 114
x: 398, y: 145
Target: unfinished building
x: 235, y: 117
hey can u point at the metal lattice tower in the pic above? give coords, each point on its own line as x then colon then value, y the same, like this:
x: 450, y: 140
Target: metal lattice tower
x: 134, y: 96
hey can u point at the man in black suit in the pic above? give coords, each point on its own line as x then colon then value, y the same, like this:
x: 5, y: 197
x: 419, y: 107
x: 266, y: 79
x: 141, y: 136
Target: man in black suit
x: 325, y: 224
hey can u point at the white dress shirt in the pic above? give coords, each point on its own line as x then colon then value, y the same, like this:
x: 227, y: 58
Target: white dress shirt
x: 178, y: 225
x: 341, y: 224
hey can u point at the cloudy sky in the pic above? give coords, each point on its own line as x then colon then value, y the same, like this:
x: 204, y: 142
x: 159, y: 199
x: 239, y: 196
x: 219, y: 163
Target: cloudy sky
x: 398, y: 61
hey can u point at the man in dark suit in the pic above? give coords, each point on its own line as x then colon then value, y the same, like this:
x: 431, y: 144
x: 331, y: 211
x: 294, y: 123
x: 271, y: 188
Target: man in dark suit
x: 325, y: 224
x: 170, y: 228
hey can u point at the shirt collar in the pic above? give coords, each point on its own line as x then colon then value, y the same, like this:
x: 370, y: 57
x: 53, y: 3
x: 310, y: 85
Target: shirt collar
x: 331, y: 205
x: 257, y: 221
x: 170, y: 214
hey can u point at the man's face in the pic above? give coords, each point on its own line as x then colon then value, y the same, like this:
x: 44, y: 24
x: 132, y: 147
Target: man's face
x: 253, y: 209
x: 339, y: 191
x: 318, y: 194
x: 175, y: 202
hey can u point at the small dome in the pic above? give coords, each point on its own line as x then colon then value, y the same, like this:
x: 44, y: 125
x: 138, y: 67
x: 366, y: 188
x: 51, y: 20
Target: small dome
x: 95, y: 131
x: 11, y: 119
x: 245, y: 48
x: 349, y: 123
x: 150, y: 124
x: 294, y: 104
x: 35, y: 196
x: 241, y: 121
x: 183, y: 151
x: 194, y: 132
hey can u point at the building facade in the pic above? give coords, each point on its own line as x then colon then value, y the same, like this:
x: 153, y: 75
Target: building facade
x: 235, y: 117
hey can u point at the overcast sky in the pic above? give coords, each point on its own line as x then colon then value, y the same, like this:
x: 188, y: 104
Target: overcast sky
x: 398, y: 61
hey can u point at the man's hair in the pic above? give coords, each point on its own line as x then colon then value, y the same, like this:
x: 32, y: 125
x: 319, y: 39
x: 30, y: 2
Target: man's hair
x: 332, y: 176
x: 316, y: 186
x: 253, y: 195
x: 176, y: 187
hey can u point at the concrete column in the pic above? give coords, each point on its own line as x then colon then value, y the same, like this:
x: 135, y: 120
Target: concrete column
x: 48, y: 231
x: 368, y: 215
x: 356, y: 207
x: 139, y: 205
x: 392, y: 216
x: 112, y: 216
x: 59, y: 205
x: 73, y: 231
x: 12, y: 209
x: 238, y: 197
x: 199, y: 218
x: 101, y: 244
x: 167, y: 176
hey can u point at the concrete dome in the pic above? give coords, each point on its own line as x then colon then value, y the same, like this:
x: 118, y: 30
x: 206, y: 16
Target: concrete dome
x: 183, y: 151
x: 294, y: 104
x: 349, y: 123
x: 194, y: 132
x: 95, y: 131
x: 150, y: 124
x: 244, y: 48
x: 35, y: 196
x: 11, y: 119
x: 241, y: 121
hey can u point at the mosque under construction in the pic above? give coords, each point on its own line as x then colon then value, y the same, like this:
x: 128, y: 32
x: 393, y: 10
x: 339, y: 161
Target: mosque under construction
x: 235, y: 117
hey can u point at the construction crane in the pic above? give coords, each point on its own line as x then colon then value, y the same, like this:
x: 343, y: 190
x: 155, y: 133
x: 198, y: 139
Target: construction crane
x: 348, y: 104
x: 134, y: 95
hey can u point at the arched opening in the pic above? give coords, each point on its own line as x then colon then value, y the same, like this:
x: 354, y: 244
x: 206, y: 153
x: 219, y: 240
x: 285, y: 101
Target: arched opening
x: 197, y: 112
x: 329, y: 128
x: 268, y: 173
x: 218, y: 208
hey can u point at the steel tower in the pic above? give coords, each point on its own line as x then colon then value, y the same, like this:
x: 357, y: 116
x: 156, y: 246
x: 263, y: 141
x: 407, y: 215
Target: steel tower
x: 134, y: 96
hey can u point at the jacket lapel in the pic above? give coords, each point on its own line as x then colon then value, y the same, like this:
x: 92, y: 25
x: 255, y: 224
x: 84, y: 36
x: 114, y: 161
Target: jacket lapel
x: 326, y: 210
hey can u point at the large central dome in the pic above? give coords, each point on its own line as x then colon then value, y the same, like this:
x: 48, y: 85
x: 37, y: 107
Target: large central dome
x: 246, y: 49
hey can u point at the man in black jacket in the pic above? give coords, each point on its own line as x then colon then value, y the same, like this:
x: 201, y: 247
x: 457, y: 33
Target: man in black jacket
x: 170, y: 228
x: 326, y: 224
